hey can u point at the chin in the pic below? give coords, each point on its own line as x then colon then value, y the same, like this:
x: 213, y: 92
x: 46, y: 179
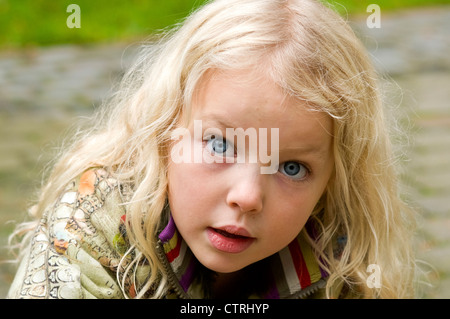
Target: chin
x: 223, y: 264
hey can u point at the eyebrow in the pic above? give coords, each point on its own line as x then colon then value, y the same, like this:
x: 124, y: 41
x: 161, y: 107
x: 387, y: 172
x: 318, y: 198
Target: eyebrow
x: 317, y: 150
x: 217, y: 123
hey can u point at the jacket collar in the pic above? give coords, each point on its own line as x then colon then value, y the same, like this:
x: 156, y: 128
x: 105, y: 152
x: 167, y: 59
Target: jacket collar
x: 295, y: 271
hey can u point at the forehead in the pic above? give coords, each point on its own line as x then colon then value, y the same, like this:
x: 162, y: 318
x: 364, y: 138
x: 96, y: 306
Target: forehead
x: 247, y: 99
x: 231, y: 90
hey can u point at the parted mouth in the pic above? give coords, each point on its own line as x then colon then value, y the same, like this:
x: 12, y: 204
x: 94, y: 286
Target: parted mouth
x: 230, y: 239
x: 230, y: 235
x: 232, y: 231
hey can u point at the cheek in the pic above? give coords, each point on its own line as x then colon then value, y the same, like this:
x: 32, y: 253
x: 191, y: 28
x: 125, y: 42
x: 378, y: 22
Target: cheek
x: 291, y: 215
x: 181, y: 188
x: 290, y: 221
x: 190, y: 189
x: 181, y: 196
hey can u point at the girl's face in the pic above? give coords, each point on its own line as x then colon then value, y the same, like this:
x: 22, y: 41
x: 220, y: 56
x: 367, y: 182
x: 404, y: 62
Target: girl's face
x: 230, y: 214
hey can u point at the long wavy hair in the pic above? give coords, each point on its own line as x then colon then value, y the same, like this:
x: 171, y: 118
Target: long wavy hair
x: 313, y: 55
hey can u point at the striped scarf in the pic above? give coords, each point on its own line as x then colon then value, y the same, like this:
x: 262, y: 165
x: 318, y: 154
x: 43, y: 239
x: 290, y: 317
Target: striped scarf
x: 294, y: 271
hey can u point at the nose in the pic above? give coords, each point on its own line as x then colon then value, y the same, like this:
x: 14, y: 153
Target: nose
x: 247, y: 190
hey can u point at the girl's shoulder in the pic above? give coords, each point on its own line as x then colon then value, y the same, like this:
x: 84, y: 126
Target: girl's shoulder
x: 98, y: 208
x: 78, y: 243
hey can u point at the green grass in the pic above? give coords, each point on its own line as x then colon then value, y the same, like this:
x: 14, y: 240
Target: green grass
x: 27, y: 23
x: 359, y: 7
x: 43, y: 22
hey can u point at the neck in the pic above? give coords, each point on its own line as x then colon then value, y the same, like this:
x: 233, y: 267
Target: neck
x: 228, y: 285
x: 241, y: 283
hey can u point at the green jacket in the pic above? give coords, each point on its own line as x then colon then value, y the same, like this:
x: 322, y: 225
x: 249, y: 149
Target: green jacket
x: 76, y: 252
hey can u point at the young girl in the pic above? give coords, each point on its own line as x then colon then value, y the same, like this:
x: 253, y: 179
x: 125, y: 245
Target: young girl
x: 120, y: 216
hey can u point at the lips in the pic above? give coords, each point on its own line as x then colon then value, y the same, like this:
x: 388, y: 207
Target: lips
x: 230, y: 239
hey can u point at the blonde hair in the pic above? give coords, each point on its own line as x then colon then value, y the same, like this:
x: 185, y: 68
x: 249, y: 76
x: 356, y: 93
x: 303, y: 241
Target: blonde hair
x: 312, y: 54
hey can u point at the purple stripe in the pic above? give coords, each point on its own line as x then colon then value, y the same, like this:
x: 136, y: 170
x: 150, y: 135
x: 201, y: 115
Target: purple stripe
x: 273, y: 293
x: 323, y: 273
x: 188, y: 275
x: 168, y: 231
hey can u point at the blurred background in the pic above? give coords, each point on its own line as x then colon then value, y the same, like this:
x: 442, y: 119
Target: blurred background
x: 52, y: 76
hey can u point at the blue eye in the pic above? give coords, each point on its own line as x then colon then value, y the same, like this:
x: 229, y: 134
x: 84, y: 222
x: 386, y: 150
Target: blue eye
x: 219, y: 146
x: 293, y: 170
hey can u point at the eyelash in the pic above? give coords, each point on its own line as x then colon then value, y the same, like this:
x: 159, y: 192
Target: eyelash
x: 207, y: 139
x: 300, y: 180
